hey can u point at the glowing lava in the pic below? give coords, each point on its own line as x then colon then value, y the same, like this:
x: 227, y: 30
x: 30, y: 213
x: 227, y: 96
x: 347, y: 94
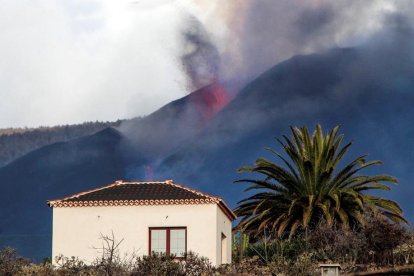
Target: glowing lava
x: 212, y: 100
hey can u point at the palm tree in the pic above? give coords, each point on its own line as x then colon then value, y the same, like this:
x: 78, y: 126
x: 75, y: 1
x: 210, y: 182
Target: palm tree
x: 309, y: 187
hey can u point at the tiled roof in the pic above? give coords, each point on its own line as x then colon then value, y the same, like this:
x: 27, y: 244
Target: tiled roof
x: 141, y: 193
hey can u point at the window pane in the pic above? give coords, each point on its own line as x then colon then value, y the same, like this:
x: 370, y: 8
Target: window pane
x: 177, y: 242
x: 159, y: 241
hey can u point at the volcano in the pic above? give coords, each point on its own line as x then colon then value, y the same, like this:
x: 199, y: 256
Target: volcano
x: 202, y: 139
x: 129, y: 152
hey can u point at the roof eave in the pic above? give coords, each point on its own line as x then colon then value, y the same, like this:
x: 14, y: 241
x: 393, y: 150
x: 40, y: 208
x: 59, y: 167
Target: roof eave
x: 227, y: 211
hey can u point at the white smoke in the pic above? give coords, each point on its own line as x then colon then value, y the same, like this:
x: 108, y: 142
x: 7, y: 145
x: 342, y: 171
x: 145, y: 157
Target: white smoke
x: 74, y: 61
x: 253, y: 35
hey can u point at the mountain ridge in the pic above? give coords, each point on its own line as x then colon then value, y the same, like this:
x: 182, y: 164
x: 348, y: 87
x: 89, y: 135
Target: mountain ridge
x: 205, y: 152
x: 16, y: 142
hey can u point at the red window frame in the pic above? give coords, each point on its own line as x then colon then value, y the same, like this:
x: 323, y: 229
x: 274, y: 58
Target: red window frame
x: 168, y: 229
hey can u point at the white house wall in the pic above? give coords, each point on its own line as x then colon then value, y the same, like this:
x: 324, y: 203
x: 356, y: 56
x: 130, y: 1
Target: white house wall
x: 223, y: 226
x: 76, y: 230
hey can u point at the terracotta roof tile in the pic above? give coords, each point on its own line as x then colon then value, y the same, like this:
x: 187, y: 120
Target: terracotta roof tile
x: 141, y: 193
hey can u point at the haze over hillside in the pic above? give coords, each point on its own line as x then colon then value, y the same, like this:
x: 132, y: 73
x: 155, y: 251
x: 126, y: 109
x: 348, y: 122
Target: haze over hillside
x: 16, y: 142
x: 256, y: 68
x: 201, y: 142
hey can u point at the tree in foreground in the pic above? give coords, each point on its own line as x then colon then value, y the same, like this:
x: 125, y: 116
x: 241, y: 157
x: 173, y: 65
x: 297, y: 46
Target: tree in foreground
x: 308, y: 184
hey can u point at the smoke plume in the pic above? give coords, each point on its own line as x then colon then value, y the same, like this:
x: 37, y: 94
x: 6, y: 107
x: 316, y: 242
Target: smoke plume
x: 200, y: 58
x: 252, y: 36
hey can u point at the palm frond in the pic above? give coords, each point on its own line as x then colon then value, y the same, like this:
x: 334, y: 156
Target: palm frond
x: 308, y: 185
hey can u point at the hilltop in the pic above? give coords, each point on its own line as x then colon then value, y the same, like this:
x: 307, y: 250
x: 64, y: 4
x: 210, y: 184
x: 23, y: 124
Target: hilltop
x: 201, y: 140
x: 16, y: 142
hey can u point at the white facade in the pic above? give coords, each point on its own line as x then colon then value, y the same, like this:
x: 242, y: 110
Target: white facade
x: 77, y: 230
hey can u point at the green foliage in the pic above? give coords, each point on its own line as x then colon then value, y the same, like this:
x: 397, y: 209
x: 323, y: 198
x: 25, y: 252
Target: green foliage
x: 273, y: 257
x: 240, y: 244
x: 277, y: 249
x: 379, y: 243
x: 308, y: 185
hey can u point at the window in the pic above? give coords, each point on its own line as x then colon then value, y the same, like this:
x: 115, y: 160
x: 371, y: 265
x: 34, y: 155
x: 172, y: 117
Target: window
x: 158, y: 241
x: 168, y: 240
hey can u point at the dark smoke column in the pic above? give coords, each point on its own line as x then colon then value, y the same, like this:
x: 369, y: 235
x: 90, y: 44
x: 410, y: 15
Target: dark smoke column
x: 200, y: 58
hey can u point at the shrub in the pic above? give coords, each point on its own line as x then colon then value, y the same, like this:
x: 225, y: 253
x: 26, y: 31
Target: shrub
x: 157, y: 265
x: 337, y: 244
x: 374, y: 243
x: 10, y: 262
x: 240, y: 244
x: 193, y: 264
x: 303, y: 265
x: 404, y: 253
x: 269, y: 250
x: 110, y: 263
x: 382, y: 238
x: 74, y: 266
x: 38, y: 270
x: 247, y: 266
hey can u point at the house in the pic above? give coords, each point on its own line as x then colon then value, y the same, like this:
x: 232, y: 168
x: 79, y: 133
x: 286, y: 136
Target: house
x: 147, y: 217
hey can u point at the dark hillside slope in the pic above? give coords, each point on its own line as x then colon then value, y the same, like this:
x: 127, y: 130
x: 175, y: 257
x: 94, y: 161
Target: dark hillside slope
x: 52, y: 172
x: 176, y: 123
x: 65, y: 168
x: 370, y: 93
x: 336, y: 87
x: 16, y: 142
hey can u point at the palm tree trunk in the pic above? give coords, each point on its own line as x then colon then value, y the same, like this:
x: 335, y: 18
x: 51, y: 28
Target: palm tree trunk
x: 306, y: 239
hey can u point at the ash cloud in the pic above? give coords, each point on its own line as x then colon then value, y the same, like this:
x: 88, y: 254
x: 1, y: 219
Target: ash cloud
x: 380, y: 72
x: 263, y: 33
x: 367, y: 88
x: 200, y: 58
x: 312, y: 21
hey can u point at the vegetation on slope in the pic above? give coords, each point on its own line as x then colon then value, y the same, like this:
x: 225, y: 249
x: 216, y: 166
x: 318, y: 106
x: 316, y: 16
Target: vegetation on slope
x: 311, y: 212
x: 381, y: 244
x: 16, y: 142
